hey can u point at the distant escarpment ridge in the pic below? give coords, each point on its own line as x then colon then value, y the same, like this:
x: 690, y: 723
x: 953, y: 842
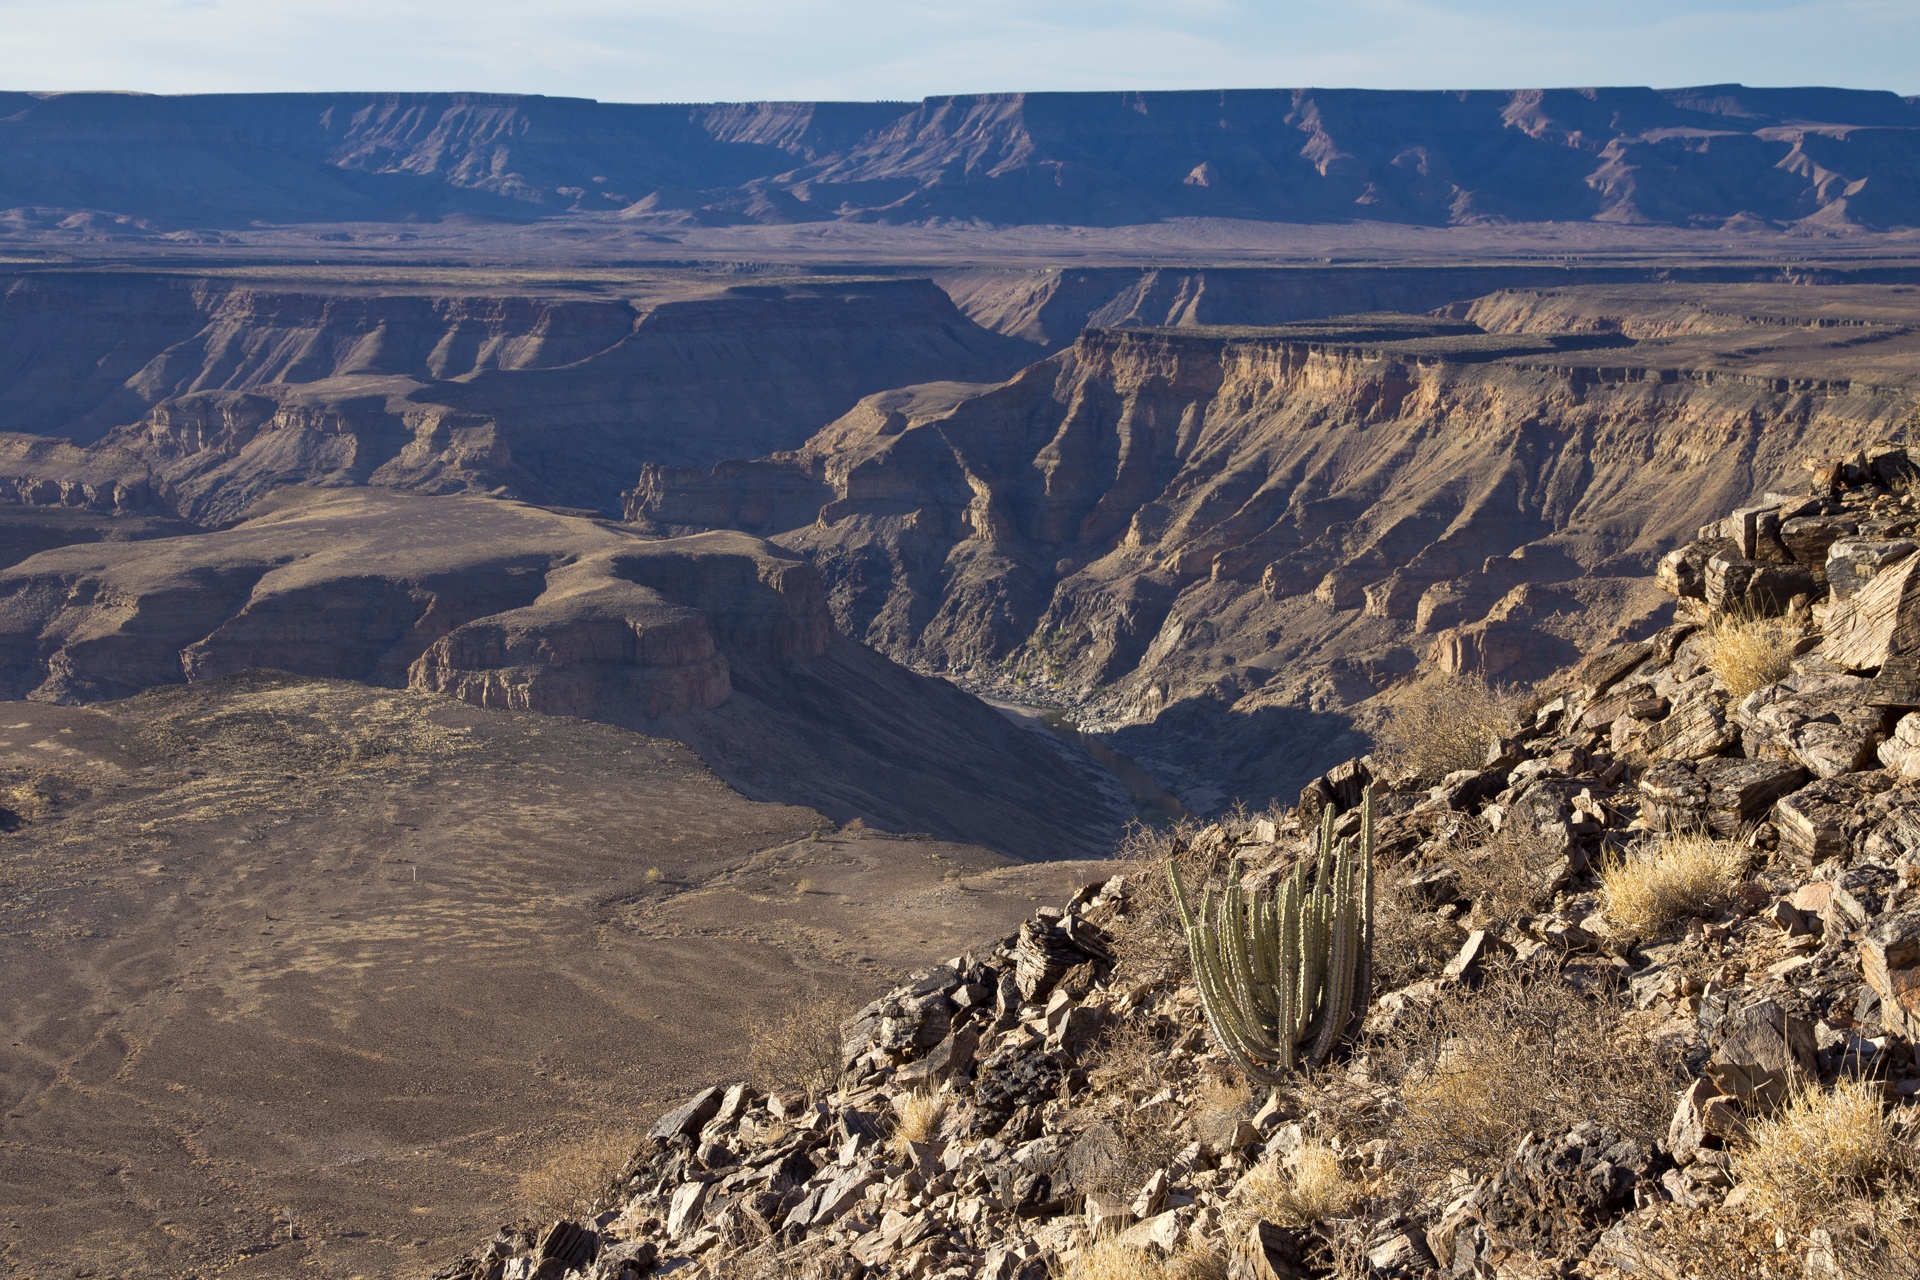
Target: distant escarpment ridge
x: 1716, y: 156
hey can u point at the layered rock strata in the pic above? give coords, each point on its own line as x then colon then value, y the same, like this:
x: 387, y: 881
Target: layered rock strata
x: 1274, y: 522
x: 195, y: 395
x: 719, y: 640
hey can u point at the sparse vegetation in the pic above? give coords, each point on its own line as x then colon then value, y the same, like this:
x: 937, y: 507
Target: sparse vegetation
x: 1299, y: 1190
x: 1153, y: 945
x: 1446, y: 723
x: 1826, y: 1157
x: 577, y: 1173
x: 1687, y: 873
x: 1508, y: 871
x: 1524, y: 1053
x: 1749, y: 652
x: 1218, y: 1108
x: 802, y: 1049
x: 916, y: 1117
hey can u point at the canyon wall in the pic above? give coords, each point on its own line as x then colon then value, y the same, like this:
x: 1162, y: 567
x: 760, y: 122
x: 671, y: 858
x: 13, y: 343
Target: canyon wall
x: 194, y: 395
x: 717, y: 640
x: 1159, y: 525
x: 119, y: 165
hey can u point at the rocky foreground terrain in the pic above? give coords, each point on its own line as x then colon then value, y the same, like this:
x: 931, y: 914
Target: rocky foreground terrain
x: 1647, y: 993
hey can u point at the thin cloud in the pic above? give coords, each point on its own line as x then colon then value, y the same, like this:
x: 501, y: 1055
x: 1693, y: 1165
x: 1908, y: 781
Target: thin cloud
x: 683, y: 50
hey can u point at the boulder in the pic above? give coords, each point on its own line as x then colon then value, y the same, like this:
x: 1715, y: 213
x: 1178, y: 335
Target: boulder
x: 1890, y: 963
x: 688, y: 1118
x: 1878, y: 620
x: 1764, y: 1054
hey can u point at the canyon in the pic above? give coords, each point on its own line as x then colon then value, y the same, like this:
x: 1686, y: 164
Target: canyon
x: 502, y: 598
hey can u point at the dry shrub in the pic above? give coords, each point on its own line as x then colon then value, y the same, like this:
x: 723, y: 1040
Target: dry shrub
x: 1507, y: 873
x: 1479, y: 1069
x: 915, y: 1118
x: 1825, y: 1156
x: 1686, y: 874
x: 1131, y: 1065
x: 1298, y: 1190
x: 802, y: 1049
x: 1217, y: 1110
x: 1153, y: 946
x: 1111, y: 1260
x: 578, y: 1173
x: 1748, y: 652
x: 1445, y: 723
x: 1409, y: 941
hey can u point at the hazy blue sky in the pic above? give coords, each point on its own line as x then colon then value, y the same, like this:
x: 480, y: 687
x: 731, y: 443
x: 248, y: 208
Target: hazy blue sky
x: 682, y: 50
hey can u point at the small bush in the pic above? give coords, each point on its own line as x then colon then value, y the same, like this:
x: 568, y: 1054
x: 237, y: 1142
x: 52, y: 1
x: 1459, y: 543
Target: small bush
x: 578, y: 1173
x: 1507, y: 873
x: 1132, y: 1065
x: 1153, y: 945
x: 802, y: 1049
x: 1111, y: 1260
x: 1824, y: 1150
x: 1445, y: 723
x: 1749, y: 653
x: 916, y: 1117
x: 1300, y: 1190
x: 1479, y: 1069
x: 1218, y: 1108
x: 1686, y: 874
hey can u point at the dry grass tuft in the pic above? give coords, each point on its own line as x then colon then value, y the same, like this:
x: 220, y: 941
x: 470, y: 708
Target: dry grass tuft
x: 579, y: 1173
x: 802, y: 1049
x: 1749, y: 653
x: 1686, y: 874
x: 1197, y: 1260
x: 1300, y: 1190
x: 1479, y: 1069
x: 1444, y: 723
x: 1824, y: 1150
x: 915, y: 1118
x: 1111, y: 1260
x: 1218, y: 1108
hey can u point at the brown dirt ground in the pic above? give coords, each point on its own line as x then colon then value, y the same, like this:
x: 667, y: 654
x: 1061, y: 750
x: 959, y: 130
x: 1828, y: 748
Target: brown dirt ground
x: 297, y: 977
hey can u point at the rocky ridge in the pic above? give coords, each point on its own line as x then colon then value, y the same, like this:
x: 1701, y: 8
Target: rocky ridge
x: 1223, y: 525
x: 1803, y: 971
x: 139, y: 166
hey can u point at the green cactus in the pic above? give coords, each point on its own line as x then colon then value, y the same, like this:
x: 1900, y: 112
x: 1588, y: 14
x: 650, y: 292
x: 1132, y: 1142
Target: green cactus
x: 1284, y: 972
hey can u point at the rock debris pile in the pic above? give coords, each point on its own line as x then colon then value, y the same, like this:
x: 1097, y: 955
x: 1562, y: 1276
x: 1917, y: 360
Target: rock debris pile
x: 1667, y: 929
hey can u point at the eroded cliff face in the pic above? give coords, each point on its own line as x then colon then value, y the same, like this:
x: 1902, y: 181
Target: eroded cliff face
x: 197, y: 395
x: 1280, y: 523
x: 718, y: 640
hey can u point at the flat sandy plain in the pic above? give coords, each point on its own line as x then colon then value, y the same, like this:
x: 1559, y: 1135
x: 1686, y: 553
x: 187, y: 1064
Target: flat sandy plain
x: 301, y: 975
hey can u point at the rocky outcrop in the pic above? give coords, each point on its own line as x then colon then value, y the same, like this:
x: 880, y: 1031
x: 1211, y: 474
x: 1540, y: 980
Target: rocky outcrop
x: 195, y: 396
x: 1827, y: 157
x: 718, y: 640
x: 1267, y: 520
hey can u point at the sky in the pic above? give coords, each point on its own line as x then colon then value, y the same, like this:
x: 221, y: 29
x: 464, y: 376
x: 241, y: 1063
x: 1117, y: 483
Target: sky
x: 707, y: 50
